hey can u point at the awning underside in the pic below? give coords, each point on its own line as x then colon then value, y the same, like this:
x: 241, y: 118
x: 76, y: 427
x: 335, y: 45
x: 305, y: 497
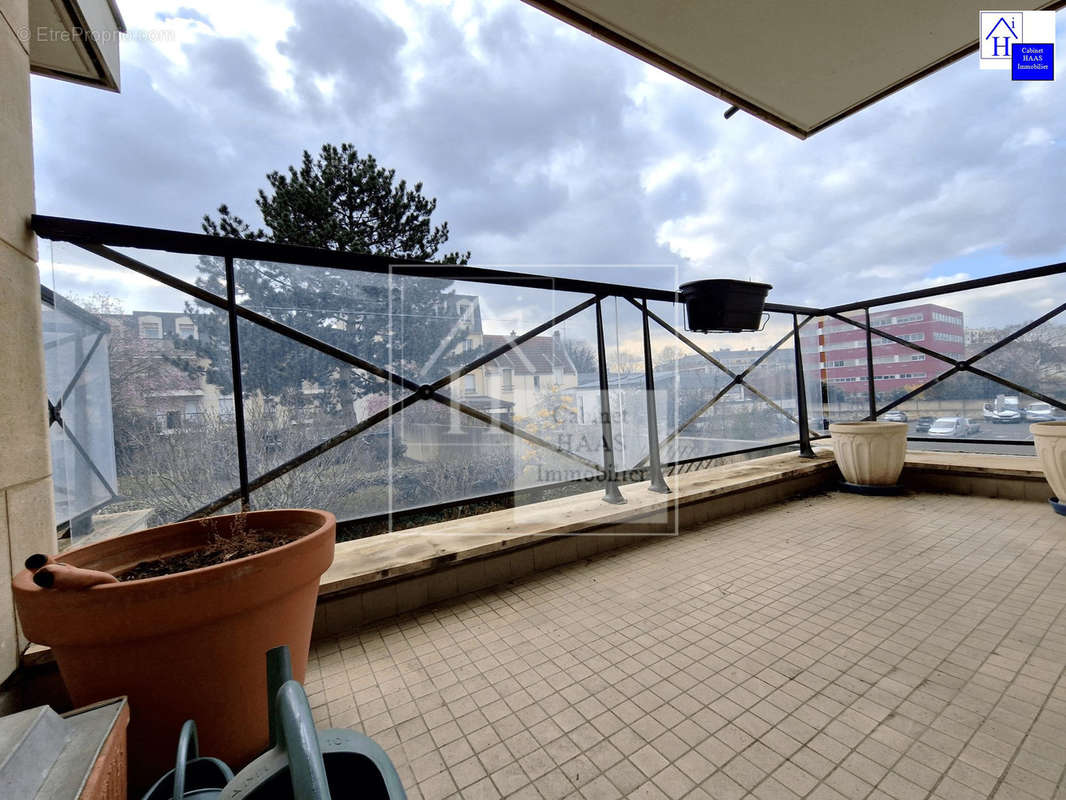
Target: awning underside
x: 799, y: 64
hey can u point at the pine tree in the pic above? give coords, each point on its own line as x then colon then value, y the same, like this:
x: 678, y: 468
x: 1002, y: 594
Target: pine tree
x: 339, y: 201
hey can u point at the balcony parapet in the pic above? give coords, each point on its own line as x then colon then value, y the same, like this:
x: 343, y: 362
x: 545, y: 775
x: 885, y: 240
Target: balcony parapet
x: 392, y: 573
x: 982, y: 474
x: 382, y: 576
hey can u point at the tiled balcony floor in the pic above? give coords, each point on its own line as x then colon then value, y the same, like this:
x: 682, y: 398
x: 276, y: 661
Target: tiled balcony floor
x: 832, y: 647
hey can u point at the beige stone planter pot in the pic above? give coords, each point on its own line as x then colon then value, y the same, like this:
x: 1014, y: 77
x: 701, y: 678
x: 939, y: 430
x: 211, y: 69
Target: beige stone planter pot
x: 1050, y: 438
x: 870, y: 453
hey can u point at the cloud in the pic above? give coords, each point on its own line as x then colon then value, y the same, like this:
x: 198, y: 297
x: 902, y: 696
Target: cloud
x: 546, y: 146
x: 235, y: 75
x: 354, y: 47
x: 924, y: 176
x: 186, y: 13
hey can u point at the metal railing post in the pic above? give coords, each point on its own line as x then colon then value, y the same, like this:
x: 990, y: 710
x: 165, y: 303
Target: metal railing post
x: 611, y: 491
x: 658, y: 484
x: 238, y: 387
x: 871, y: 391
x: 823, y: 373
x: 801, y: 395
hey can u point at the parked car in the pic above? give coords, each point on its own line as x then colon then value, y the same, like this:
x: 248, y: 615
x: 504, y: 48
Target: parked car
x: 952, y: 427
x: 1043, y: 412
x: 1004, y: 416
x: 923, y: 424
x: 894, y: 416
x: 1004, y: 409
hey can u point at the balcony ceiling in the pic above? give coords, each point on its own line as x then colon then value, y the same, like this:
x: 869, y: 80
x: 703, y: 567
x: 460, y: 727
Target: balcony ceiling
x: 800, y: 65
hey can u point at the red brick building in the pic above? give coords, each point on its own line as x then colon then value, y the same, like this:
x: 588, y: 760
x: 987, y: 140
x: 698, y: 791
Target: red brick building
x: 842, y: 347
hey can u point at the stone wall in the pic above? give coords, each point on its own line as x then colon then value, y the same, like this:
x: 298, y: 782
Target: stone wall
x: 26, y: 523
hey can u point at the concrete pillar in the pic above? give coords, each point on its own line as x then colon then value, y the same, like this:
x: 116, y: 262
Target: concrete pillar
x: 26, y: 518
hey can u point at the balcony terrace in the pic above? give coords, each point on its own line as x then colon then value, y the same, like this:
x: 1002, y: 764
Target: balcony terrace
x: 727, y: 624
x: 749, y: 633
x: 832, y: 646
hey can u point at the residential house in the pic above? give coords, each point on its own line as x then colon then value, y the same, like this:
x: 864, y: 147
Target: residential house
x: 156, y: 372
x: 523, y: 374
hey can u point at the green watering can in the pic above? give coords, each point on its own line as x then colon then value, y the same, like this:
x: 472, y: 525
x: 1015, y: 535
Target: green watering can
x: 192, y: 776
x: 304, y: 763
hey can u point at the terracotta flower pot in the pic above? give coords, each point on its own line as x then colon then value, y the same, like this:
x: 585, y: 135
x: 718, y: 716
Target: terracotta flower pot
x: 1050, y: 439
x: 188, y: 645
x: 870, y: 453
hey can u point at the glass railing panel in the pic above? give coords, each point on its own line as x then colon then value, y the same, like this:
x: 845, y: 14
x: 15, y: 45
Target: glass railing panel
x: 205, y: 272
x: 142, y: 436
x: 984, y: 416
x: 962, y: 325
x: 348, y: 310
x: 753, y: 413
x: 78, y: 385
x: 835, y: 372
x: 296, y: 397
x: 420, y: 328
x: 546, y: 386
x: 428, y: 454
x: 624, y: 348
x: 483, y: 317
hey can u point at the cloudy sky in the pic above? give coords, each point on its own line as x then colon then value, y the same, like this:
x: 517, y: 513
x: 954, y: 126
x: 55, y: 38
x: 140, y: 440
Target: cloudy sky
x: 547, y: 147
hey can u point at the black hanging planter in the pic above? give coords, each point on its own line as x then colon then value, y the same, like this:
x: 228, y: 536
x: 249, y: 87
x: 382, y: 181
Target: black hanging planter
x: 724, y: 305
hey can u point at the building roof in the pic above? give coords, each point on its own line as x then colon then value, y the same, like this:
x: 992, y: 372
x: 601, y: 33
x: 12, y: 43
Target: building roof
x: 168, y: 320
x: 541, y: 355
x: 170, y: 379
x: 693, y: 364
x: 474, y: 318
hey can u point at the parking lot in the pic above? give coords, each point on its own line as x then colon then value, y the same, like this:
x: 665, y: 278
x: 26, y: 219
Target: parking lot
x: 1016, y: 431
x: 984, y: 437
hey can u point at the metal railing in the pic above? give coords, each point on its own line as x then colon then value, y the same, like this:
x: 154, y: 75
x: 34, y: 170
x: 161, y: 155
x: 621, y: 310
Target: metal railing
x: 955, y: 366
x: 101, y: 239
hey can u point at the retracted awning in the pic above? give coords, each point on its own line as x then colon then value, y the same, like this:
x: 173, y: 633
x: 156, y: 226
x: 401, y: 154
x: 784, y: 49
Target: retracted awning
x: 798, y: 64
x: 75, y: 40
